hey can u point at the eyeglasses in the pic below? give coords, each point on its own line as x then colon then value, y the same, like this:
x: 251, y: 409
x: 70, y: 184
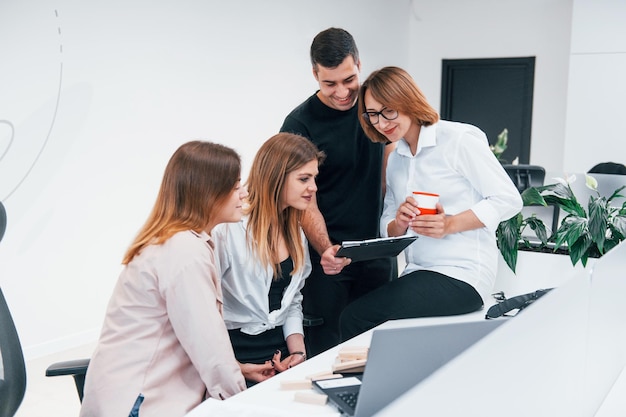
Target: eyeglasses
x: 372, y: 116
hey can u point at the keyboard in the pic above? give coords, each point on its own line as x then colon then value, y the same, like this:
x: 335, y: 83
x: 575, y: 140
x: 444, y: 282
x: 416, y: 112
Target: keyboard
x: 349, y: 398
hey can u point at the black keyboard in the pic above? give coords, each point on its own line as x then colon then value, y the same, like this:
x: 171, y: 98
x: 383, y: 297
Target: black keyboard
x: 349, y: 398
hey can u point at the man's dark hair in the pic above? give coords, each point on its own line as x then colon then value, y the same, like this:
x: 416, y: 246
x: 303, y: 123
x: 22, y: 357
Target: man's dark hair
x: 331, y: 46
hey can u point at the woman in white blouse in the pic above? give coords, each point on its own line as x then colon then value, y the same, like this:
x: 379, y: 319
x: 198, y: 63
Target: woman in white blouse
x: 452, y: 265
x: 264, y: 258
x: 163, y: 346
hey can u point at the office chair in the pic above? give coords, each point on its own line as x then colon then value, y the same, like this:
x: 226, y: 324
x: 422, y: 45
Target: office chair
x: 76, y: 368
x: 525, y: 176
x: 608, y: 168
x: 3, y: 220
x: 13, y: 368
x: 13, y: 371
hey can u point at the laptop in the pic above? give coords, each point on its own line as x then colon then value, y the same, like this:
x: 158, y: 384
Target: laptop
x: 399, y: 359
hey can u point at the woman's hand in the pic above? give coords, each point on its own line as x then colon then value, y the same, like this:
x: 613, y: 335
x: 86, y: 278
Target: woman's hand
x: 405, y: 213
x: 431, y: 225
x: 440, y: 225
x: 257, y: 373
x: 281, y: 365
x: 331, y: 264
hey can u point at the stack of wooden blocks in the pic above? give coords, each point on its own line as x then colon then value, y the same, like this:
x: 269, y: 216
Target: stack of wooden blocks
x: 350, y: 359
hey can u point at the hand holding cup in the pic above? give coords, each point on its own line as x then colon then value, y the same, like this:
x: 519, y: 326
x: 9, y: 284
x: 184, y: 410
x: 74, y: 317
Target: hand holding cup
x: 426, y: 202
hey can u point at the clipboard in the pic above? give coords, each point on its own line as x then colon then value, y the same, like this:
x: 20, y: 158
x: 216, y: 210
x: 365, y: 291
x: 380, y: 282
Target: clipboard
x: 383, y: 247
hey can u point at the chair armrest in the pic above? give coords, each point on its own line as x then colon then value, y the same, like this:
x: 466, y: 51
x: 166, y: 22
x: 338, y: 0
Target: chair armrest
x: 75, y: 367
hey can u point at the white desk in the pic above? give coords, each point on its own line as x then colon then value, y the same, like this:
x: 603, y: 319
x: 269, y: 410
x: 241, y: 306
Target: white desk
x: 267, y: 399
x: 564, y: 356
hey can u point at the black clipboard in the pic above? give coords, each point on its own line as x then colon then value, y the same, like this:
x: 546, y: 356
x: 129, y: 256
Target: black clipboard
x: 384, y: 247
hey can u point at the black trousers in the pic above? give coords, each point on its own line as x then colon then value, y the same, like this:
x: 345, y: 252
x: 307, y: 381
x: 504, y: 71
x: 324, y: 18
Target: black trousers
x: 258, y: 348
x: 326, y: 296
x: 418, y: 294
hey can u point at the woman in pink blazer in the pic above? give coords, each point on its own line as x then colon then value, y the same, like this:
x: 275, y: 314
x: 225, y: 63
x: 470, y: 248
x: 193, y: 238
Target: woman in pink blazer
x: 164, y: 347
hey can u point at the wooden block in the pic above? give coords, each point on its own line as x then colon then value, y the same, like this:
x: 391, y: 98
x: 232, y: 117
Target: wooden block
x: 344, y: 357
x: 326, y: 376
x: 295, y: 384
x: 353, y: 349
x: 355, y: 370
x: 351, y: 353
x: 350, y: 366
x: 319, y: 375
x: 310, y: 397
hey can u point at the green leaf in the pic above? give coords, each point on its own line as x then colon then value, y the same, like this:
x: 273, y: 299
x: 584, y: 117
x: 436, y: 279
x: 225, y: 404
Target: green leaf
x: 598, y: 219
x: 572, y: 227
x: 532, y: 197
x: 562, y: 196
x: 508, y: 235
x: 501, y: 144
x: 617, y: 194
x: 618, y: 226
x: 611, y: 243
x: 539, y: 228
x: 578, y: 249
x: 556, y: 190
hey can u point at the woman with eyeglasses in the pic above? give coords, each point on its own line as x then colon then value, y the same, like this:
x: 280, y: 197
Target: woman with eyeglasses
x: 452, y: 265
x: 264, y: 258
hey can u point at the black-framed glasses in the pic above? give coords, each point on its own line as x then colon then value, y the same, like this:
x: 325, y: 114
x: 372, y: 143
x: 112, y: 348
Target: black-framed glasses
x: 372, y: 116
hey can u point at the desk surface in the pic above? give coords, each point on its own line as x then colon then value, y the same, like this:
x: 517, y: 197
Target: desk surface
x: 267, y: 399
x: 565, y: 355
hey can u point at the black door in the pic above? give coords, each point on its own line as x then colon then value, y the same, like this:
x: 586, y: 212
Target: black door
x: 492, y: 94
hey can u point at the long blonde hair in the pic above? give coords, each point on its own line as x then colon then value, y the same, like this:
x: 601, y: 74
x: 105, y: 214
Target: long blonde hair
x: 198, y: 179
x: 277, y: 157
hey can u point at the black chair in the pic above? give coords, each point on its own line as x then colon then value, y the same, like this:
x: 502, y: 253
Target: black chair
x: 3, y: 220
x: 13, y: 371
x: 525, y: 176
x: 608, y: 168
x: 13, y: 375
x: 76, y: 368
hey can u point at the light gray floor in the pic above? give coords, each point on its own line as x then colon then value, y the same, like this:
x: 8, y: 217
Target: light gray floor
x: 51, y: 396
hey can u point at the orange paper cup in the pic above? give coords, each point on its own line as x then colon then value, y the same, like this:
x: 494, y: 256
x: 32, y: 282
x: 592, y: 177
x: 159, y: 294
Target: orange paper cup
x: 426, y: 202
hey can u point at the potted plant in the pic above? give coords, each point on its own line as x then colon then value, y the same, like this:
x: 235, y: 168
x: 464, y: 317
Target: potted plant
x: 501, y: 144
x: 583, y: 233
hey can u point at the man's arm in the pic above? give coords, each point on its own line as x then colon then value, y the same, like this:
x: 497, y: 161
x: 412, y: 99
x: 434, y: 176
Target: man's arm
x: 316, y: 232
x: 314, y: 228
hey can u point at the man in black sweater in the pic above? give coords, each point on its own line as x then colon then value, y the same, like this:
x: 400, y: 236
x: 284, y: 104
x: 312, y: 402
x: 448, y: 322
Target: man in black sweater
x: 350, y: 187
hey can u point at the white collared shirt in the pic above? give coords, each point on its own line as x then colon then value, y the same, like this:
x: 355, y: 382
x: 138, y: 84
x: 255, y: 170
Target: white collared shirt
x: 246, y: 284
x: 454, y: 161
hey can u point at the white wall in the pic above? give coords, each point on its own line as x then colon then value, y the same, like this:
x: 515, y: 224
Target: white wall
x: 580, y: 50
x: 95, y: 96
x: 458, y: 29
x: 597, y: 86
